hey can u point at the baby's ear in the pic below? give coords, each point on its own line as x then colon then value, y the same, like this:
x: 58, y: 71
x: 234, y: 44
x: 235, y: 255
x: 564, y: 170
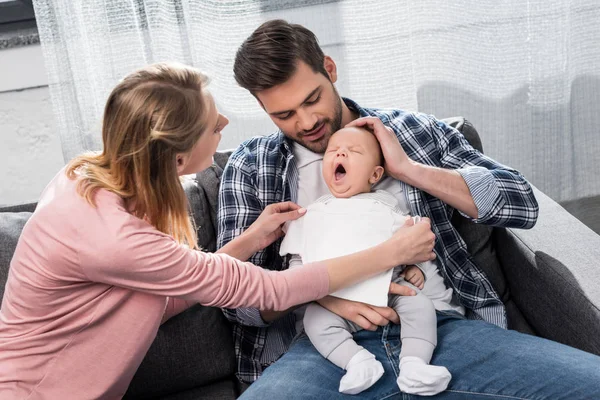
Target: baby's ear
x: 377, y: 174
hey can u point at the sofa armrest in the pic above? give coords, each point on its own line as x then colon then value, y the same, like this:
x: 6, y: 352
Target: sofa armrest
x: 553, y: 273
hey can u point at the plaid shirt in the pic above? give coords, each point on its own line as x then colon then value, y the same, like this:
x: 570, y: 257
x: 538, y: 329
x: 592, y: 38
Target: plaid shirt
x: 262, y: 171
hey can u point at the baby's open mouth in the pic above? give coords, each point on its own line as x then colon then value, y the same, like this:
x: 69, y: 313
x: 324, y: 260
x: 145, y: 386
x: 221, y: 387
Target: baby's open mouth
x: 340, y: 172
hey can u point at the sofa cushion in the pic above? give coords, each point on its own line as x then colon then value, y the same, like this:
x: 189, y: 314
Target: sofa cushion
x: 191, y: 350
x: 24, y: 207
x: 11, y: 225
x: 481, y: 244
x: 221, y: 390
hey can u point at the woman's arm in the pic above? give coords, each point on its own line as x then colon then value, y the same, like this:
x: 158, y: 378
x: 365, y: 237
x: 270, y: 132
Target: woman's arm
x: 242, y: 247
x: 264, y: 231
x: 130, y: 253
x: 174, y: 307
x: 411, y: 244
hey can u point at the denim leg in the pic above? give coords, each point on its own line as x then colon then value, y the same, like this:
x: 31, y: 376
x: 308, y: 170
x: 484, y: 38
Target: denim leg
x: 486, y: 362
x: 303, y: 373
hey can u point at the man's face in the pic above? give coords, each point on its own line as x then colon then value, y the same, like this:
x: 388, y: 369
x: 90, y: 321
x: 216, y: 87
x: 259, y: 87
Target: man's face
x: 306, y: 108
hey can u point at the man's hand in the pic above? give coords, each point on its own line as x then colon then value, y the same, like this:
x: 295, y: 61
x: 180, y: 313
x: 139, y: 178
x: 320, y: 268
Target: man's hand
x: 365, y: 315
x: 413, y: 275
x: 446, y: 184
x: 397, y: 164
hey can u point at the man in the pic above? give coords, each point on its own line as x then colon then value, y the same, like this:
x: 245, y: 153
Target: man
x: 436, y: 171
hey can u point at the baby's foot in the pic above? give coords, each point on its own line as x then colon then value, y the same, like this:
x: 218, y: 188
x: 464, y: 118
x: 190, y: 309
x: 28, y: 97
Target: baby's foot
x: 363, y: 370
x: 417, y: 377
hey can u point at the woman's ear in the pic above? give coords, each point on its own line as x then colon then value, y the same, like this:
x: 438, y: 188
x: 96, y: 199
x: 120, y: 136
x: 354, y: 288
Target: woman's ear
x: 377, y: 174
x: 181, y: 160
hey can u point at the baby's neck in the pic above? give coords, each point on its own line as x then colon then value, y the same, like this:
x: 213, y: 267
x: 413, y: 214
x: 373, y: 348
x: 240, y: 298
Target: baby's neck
x: 352, y: 195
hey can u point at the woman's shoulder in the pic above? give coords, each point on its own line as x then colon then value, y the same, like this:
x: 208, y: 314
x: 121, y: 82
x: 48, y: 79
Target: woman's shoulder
x: 62, y: 196
x: 65, y: 214
x: 58, y: 226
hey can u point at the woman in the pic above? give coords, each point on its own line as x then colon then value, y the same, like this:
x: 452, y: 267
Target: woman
x: 110, y: 251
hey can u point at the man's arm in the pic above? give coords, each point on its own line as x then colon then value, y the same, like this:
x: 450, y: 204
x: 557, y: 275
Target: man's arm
x: 502, y: 195
x: 477, y: 186
x: 445, y: 184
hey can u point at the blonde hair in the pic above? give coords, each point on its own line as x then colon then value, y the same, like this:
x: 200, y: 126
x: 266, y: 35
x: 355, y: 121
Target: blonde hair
x: 152, y: 115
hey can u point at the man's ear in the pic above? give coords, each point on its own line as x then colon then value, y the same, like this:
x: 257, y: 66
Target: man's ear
x: 377, y: 174
x: 331, y: 68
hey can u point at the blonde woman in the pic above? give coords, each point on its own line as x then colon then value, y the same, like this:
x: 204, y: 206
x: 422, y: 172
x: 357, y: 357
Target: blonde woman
x: 110, y: 251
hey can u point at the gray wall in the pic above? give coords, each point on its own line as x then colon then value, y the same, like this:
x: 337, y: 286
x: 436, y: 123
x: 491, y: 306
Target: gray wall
x: 30, y: 152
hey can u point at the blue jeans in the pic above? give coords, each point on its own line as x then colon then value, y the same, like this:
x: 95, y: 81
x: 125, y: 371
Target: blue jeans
x: 486, y: 362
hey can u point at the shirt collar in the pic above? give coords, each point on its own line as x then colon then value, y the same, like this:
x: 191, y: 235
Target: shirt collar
x: 285, y: 144
x: 353, y: 106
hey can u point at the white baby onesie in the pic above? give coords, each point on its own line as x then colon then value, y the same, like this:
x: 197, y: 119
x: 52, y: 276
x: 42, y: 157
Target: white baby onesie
x: 343, y: 226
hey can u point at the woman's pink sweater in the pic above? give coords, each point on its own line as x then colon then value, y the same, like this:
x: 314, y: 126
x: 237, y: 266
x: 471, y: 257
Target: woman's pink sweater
x: 88, y: 288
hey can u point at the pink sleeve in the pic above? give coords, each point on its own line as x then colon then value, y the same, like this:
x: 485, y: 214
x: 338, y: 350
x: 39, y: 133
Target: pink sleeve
x: 174, y: 307
x: 130, y: 253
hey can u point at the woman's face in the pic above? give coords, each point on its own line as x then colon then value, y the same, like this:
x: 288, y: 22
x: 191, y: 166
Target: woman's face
x: 201, y: 155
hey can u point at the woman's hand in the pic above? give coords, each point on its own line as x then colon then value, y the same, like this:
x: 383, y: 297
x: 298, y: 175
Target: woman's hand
x: 412, y: 243
x: 269, y: 225
x: 267, y: 228
x: 397, y: 164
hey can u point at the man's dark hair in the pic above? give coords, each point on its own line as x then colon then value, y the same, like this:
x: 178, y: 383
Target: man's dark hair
x: 270, y: 55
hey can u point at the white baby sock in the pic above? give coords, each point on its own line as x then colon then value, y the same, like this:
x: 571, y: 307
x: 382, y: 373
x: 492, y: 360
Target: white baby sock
x: 363, y: 370
x: 418, y: 377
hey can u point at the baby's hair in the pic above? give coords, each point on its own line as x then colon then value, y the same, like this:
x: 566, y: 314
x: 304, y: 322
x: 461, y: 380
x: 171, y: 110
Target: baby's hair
x: 381, y: 159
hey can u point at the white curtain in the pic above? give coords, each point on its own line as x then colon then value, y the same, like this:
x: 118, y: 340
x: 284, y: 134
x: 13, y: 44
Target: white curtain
x: 526, y: 73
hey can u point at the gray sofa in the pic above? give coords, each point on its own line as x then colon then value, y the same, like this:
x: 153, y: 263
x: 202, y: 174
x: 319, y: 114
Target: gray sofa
x: 548, y: 278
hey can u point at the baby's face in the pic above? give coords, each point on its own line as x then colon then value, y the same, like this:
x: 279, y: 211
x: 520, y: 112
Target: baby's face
x: 351, y: 164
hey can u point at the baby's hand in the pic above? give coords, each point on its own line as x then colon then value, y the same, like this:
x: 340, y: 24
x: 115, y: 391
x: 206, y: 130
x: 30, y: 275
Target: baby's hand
x: 412, y: 274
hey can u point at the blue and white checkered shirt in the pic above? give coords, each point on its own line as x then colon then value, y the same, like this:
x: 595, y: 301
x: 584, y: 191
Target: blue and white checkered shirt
x: 263, y: 171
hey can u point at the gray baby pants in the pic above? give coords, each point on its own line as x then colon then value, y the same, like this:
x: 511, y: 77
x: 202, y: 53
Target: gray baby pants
x: 332, y: 335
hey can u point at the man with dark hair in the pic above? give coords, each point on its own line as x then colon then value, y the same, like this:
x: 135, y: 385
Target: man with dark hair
x: 431, y: 170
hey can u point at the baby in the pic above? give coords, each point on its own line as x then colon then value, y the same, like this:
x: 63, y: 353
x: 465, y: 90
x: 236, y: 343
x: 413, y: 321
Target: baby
x: 352, y: 218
